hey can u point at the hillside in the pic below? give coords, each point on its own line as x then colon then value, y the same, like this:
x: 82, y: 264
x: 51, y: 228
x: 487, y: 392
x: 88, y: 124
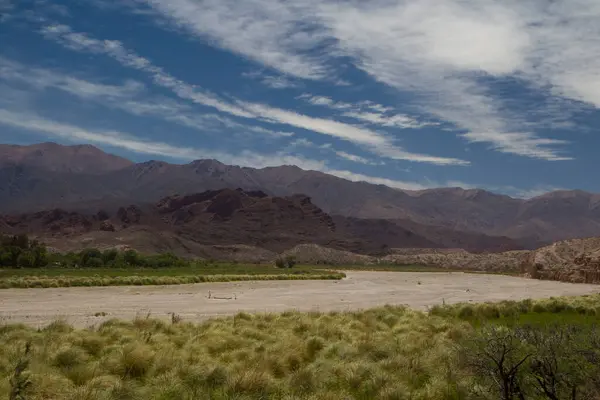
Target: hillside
x: 450, y: 214
x: 213, y: 218
x: 56, y: 158
x: 576, y: 260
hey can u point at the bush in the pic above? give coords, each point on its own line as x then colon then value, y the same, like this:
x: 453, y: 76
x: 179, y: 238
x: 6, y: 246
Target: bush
x: 131, y: 257
x: 94, y: 263
x: 26, y: 260
x: 109, y: 256
x: 286, y: 262
x: 280, y: 263
x: 88, y: 254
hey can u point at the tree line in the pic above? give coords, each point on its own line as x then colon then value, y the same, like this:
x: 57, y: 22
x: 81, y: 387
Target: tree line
x: 19, y: 251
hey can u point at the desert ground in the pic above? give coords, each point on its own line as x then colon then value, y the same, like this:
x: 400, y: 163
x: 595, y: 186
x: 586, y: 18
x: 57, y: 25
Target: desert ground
x: 85, y: 307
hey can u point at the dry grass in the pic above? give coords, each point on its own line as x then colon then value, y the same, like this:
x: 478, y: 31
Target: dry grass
x: 140, y: 280
x: 385, y: 353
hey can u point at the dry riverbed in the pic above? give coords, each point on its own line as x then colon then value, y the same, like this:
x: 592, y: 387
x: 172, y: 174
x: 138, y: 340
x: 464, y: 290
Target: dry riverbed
x: 361, y: 289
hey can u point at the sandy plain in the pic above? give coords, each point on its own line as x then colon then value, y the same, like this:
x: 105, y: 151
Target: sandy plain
x: 84, y: 307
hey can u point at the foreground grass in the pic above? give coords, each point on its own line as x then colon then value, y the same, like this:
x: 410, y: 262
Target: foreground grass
x: 383, y: 353
x: 387, y: 353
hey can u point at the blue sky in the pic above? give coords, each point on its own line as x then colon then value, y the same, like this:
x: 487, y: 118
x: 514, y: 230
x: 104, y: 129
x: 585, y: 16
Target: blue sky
x: 502, y: 95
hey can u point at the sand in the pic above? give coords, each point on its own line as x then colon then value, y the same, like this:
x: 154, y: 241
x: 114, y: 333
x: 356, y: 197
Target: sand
x: 79, y: 306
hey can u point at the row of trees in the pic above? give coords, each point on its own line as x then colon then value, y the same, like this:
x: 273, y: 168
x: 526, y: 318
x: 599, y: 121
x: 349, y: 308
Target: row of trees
x: 21, y: 252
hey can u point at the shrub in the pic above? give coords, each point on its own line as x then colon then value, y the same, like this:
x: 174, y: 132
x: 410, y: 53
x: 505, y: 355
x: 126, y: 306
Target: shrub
x: 26, y: 260
x: 280, y: 262
x: 285, y: 262
x: 94, y: 263
x: 85, y: 256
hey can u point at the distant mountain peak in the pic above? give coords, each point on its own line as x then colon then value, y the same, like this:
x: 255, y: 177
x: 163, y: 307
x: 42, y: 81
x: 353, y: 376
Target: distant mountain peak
x: 80, y: 158
x: 48, y: 175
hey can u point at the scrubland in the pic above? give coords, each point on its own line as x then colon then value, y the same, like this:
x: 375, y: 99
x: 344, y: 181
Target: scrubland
x: 382, y: 353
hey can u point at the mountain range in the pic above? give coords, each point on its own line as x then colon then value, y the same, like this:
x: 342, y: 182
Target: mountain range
x: 85, y: 179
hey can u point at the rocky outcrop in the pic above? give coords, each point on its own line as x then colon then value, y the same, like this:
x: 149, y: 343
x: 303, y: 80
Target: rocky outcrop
x: 129, y: 215
x: 507, y: 262
x: 576, y: 260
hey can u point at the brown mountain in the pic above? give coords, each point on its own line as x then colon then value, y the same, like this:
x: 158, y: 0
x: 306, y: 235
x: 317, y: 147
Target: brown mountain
x: 447, y: 215
x: 56, y: 158
x: 222, y: 217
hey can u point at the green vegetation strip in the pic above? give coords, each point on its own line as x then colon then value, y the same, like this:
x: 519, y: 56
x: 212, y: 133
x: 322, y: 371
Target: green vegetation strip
x: 578, y: 310
x: 136, y: 280
x: 488, y: 352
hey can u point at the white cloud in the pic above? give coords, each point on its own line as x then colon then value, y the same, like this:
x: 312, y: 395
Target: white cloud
x: 396, y: 184
x: 115, y: 49
x: 397, y: 120
x: 318, y: 100
x: 325, y: 101
x: 374, y: 141
x: 303, y: 142
x: 444, y: 53
x: 130, y: 97
x: 272, y: 81
x: 268, y: 132
x: 440, y: 51
x: 40, y: 78
x: 6, y: 7
x: 278, y: 82
x: 266, y: 32
x: 355, y: 158
x: 366, y: 111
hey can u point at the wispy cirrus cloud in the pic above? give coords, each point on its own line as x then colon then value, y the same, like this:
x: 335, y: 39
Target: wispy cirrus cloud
x: 273, y: 35
x: 327, y: 147
x: 357, y: 159
x: 376, y: 142
x: 367, y: 111
x: 130, y: 96
x: 6, y: 6
x: 448, y: 55
x: 272, y: 81
x: 278, y: 82
x: 115, y: 49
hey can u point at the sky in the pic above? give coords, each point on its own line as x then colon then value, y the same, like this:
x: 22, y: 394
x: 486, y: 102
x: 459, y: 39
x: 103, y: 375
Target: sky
x: 502, y: 95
